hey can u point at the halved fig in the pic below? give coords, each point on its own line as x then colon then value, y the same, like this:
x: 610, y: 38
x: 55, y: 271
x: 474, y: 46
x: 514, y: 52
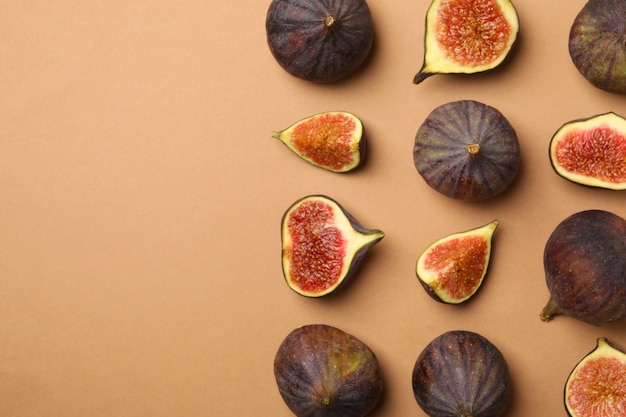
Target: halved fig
x: 322, y: 245
x: 596, y: 44
x: 461, y: 374
x: 467, y: 150
x: 322, y: 371
x: 592, y: 151
x: 453, y: 268
x: 331, y: 140
x: 467, y: 36
x: 596, y: 387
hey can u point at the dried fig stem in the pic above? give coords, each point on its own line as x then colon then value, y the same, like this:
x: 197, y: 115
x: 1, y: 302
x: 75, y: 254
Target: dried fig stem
x: 550, y: 310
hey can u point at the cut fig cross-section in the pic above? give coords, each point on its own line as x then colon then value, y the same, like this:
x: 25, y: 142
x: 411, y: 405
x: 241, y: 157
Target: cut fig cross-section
x: 592, y: 151
x: 596, y: 387
x: 467, y: 36
x: 330, y: 140
x: 322, y: 245
x: 453, y: 268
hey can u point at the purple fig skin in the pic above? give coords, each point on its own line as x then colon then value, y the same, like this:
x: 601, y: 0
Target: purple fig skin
x: 467, y: 150
x: 320, y: 40
x: 322, y: 371
x: 597, y: 44
x: 461, y: 374
x: 585, y: 267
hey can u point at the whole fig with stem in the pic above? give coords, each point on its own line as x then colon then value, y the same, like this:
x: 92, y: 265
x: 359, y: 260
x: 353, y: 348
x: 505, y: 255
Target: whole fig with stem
x: 585, y: 268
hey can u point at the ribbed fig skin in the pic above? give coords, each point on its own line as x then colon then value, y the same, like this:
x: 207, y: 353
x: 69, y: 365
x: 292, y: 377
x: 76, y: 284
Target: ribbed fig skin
x: 461, y: 374
x: 322, y: 371
x: 306, y: 46
x: 596, y: 44
x: 585, y: 266
x: 441, y: 155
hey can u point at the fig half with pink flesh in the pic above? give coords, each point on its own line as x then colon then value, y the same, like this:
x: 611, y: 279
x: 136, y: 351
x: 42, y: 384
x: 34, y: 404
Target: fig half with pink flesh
x: 453, y: 268
x: 467, y: 36
x: 592, y: 151
x: 323, y: 371
x: 596, y: 387
x: 322, y: 245
x: 330, y: 140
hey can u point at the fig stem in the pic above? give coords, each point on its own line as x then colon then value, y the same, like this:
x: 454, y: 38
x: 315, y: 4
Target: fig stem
x: 550, y: 310
x: 329, y: 21
x: 473, y: 148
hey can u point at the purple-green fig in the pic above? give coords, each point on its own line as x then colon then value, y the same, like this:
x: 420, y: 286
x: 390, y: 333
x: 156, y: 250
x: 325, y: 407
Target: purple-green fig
x: 322, y: 371
x: 596, y: 44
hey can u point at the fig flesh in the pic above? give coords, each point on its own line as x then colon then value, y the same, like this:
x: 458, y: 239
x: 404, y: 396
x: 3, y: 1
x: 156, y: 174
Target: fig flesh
x: 461, y: 374
x: 596, y: 44
x: 322, y: 371
x: 331, y: 140
x: 322, y: 245
x: 596, y: 387
x: 320, y: 40
x: 467, y: 36
x: 592, y: 151
x: 467, y: 150
x: 585, y: 268
x: 453, y: 268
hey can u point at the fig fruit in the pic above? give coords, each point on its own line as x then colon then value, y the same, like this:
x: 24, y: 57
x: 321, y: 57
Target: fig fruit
x: 452, y: 269
x: 331, y: 140
x: 596, y: 387
x: 322, y: 371
x: 467, y: 150
x: 467, y: 36
x: 319, y: 40
x: 585, y: 267
x: 596, y: 44
x: 461, y: 374
x: 592, y: 151
x: 322, y: 245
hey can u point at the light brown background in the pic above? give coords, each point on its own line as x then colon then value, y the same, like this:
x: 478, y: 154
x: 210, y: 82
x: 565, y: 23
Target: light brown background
x: 141, y: 197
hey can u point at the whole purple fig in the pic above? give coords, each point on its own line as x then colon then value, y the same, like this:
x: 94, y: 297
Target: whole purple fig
x: 585, y: 267
x: 461, y: 374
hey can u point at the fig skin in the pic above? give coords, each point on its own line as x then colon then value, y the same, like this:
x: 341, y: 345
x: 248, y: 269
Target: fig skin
x: 467, y: 150
x: 330, y: 228
x: 596, y: 387
x: 585, y: 268
x: 321, y: 41
x: 322, y: 371
x: 461, y: 374
x: 596, y: 44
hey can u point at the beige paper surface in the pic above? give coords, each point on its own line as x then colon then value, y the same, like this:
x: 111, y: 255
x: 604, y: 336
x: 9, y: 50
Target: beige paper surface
x: 141, y: 196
